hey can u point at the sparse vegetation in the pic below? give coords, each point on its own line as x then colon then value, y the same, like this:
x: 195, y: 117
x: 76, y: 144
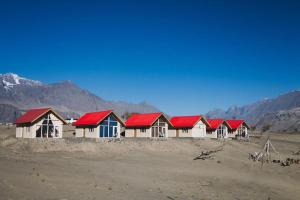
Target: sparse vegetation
x: 266, y: 127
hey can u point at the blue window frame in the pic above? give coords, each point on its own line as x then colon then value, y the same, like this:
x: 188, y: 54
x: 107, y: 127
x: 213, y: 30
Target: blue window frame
x: 108, y: 128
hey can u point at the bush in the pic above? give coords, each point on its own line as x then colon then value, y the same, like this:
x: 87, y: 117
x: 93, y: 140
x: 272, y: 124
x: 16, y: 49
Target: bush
x: 266, y: 127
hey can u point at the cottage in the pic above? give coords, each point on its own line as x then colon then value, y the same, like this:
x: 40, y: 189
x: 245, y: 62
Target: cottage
x: 149, y: 125
x: 188, y: 126
x: 218, y: 128
x: 103, y: 124
x: 238, y: 128
x: 40, y: 123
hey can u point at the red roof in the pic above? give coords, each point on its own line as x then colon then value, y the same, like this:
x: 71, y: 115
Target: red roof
x: 93, y: 118
x: 216, y: 123
x: 140, y: 120
x: 32, y: 115
x: 185, y: 121
x: 235, y: 123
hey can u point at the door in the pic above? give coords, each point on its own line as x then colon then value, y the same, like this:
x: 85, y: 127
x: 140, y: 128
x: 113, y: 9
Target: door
x: 218, y: 133
x: 106, y: 131
x: 101, y: 131
x: 56, y: 132
x: 111, y: 134
x: 134, y: 132
x: 115, y: 131
x: 177, y: 133
x: 155, y: 132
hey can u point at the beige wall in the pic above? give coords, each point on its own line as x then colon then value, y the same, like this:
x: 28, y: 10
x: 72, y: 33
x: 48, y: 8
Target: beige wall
x: 214, y: 134
x: 171, y: 132
x: 94, y: 132
x: 189, y: 133
x: 198, y: 131
x: 211, y: 134
x: 232, y: 134
x: 85, y: 131
x: 79, y: 132
x: 129, y: 132
x: 19, y: 131
x: 23, y: 132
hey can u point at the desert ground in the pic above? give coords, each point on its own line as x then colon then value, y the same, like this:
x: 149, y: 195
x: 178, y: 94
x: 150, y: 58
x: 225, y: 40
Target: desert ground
x: 143, y: 169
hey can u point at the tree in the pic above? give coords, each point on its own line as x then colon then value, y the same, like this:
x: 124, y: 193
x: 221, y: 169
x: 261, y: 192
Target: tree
x: 126, y: 115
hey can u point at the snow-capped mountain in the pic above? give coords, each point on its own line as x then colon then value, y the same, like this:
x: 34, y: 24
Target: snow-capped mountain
x: 70, y: 100
x: 10, y: 80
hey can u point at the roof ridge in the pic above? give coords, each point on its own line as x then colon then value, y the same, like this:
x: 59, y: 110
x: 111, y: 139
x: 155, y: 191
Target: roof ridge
x: 188, y: 116
x: 99, y: 111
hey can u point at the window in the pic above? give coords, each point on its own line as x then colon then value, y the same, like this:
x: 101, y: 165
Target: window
x: 91, y: 129
x: 159, y: 128
x: 47, y: 129
x: 185, y: 130
x: 143, y: 130
x: 109, y: 127
x: 161, y: 123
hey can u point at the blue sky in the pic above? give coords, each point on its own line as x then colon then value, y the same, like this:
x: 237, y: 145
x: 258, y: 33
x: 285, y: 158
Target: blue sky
x: 185, y: 57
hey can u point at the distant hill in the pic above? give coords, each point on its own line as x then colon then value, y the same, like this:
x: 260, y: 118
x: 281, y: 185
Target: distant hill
x: 18, y: 94
x: 280, y: 114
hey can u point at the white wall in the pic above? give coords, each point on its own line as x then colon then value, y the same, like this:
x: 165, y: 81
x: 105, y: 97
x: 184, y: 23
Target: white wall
x: 199, y: 130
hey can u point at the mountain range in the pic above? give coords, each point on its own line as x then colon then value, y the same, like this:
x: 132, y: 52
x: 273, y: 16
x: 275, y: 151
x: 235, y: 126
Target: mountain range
x: 281, y: 114
x: 18, y: 94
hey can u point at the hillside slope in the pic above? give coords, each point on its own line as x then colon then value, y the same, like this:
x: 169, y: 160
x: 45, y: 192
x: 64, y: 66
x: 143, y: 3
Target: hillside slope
x: 65, y: 97
x: 280, y: 114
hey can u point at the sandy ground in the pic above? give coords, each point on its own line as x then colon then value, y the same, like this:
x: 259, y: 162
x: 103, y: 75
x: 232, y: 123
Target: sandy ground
x: 142, y: 169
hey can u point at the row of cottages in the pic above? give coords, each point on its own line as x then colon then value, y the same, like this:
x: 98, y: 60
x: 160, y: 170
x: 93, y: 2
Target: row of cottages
x: 46, y: 123
x: 219, y: 128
